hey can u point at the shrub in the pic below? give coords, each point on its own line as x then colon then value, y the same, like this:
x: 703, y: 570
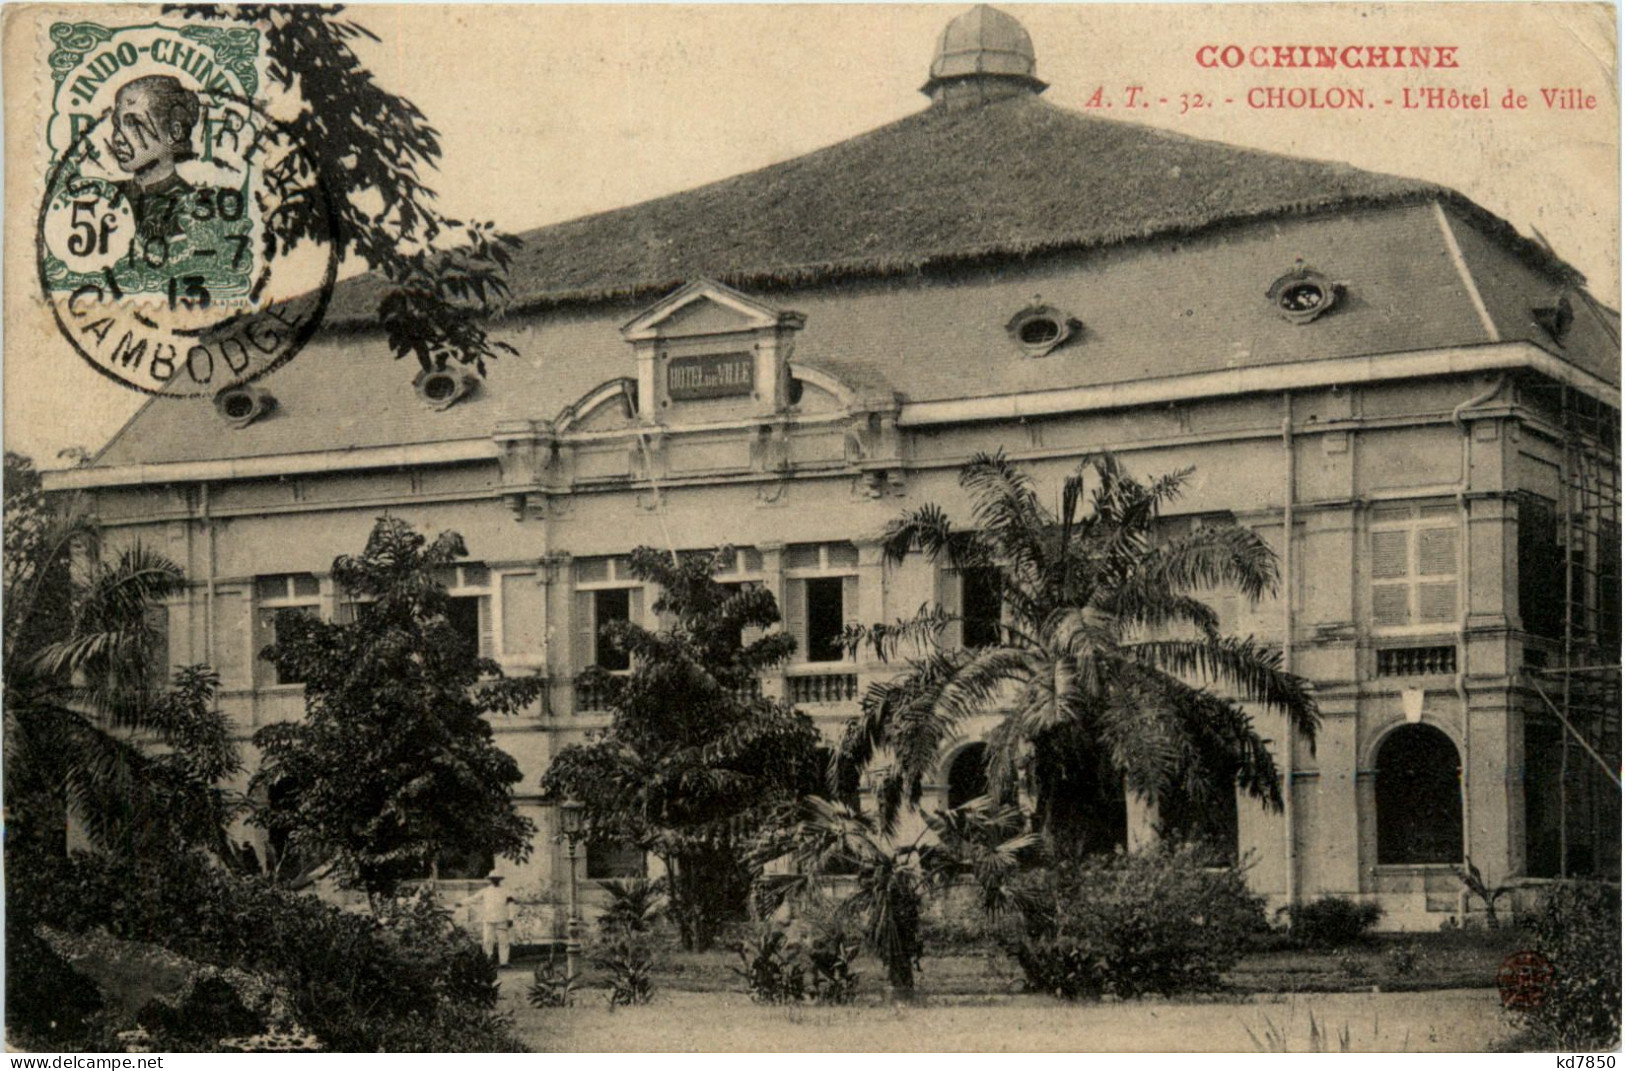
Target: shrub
x: 630, y: 967
x: 551, y: 986
x: 406, y: 980
x: 771, y: 973
x: 1577, y: 930
x: 1403, y: 960
x: 778, y: 970
x: 206, y: 1011
x: 1332, y: 922
x: 48, y: 1003
x: 1160, y: 921
x: 635, y: 905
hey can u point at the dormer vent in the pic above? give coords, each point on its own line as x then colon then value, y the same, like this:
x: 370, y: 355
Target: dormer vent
x: 1303, y: 294
x: 443, y: 388
x: 1040, y: 328
x: 241, y: 405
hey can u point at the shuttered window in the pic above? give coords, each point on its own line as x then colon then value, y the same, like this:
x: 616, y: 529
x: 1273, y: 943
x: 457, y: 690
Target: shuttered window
x: 274, y: 598
x: 469, y: 606
x: 972, y: 596
x: 1414, y: 562
x: 603, y: 594
x: 820, y: 599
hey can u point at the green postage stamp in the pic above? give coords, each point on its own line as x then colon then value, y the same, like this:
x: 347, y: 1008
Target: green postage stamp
x: 173, y: 204
x: 155, y: 161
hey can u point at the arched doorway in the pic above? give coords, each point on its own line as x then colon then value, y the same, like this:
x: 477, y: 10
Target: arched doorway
x: 1418, y: 798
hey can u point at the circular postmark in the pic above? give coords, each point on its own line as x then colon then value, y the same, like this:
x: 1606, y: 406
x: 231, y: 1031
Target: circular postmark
x: 1523, y: 980
x: 185, y: 242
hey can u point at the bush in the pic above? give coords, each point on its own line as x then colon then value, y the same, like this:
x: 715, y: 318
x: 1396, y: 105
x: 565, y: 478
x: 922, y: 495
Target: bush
x: 406, y: 980
x: 48, y: 1003
x: 1577, y: 930
x: 1332, y: 922
x: 635, y: 905
x: 551, y: 985
x: 778, y: 970
x: 630, y: 966
x: 1403, y: 960
x: 209, y: 1009
x: 1161, y: 921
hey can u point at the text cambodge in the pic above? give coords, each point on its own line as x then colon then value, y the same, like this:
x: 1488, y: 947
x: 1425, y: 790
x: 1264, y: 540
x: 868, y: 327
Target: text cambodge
x: 1351, y: 57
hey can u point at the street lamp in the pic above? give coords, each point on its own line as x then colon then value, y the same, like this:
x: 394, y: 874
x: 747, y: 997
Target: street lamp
x: 570, y: 816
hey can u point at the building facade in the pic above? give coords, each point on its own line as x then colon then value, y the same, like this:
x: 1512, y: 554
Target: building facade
x: 1414, y: 406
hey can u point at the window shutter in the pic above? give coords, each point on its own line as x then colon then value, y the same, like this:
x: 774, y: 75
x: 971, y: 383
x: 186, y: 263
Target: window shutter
x: 949, y: 592
x: 264, y: 636
x: 524, y: 610
x: 487, y: 640
x: 750, y: 633
x: 232, y: 639
x: 158, y: 622
x: 586, y: 647
x: 795, y: 616
x: 1390, y: 554
x: 634, y: 608
x: 1390, y: 605
x: 1436, y: 552
x: 1436, y: 602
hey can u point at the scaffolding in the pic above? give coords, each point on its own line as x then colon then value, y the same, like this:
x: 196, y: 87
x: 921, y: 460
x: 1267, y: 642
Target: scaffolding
x: 1582, y: 693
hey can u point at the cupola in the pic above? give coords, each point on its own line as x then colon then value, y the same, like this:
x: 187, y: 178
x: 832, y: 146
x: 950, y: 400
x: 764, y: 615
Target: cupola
x: 983, y: 55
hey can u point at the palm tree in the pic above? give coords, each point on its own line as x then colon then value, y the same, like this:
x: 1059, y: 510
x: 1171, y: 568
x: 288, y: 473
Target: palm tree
x: 885, y: 882
x: 1103, y: 672
x: 82, y: 689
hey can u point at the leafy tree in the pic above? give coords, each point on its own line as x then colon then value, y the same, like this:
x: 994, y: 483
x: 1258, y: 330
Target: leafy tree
x: 394, y: 766
x: 695, y: 762
x: 86, y: 693
x: 1101, y: 637
x: 438, y: 277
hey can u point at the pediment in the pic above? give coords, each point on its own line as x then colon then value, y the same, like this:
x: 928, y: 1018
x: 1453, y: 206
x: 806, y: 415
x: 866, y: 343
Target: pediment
x: 703, y: 307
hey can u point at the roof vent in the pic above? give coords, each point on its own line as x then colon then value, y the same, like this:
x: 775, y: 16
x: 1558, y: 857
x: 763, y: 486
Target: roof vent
x: 241, y: 405
x: 1303, y: 294
x: 1040, y: 328
x: 983, y: 55
x: 1556, y: 319
x: 442, y: 388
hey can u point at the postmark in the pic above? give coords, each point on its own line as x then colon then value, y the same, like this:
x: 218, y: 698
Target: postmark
x: 1523, y: 980
x: 184, y: 239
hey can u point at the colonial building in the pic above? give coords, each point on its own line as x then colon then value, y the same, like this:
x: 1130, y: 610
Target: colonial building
x: 1414, y: 405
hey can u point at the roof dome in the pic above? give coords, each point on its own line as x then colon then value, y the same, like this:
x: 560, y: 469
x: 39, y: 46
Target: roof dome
x: 987, y: 48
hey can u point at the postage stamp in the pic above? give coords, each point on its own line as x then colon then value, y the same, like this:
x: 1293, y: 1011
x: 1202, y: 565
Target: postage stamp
x: 170, y: 197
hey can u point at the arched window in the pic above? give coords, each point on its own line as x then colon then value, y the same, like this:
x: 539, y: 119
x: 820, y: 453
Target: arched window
x: 1418, y: 797
x: 967, y: 776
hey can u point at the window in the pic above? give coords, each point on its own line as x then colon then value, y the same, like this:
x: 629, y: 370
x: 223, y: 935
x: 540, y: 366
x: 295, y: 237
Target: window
x: 605, y: 592
x: 1413, y: 567
x: 821, y: 596
x: 274, y: 597
x: 158, y: 654
x: 468, y: 606
x: 1540, y: 567
x: 1418, y: 798
x: 608, y: 862
x: 980, y: 603
x: 609, y: 606
x: 1040, y: 328
x: 1303, y: 294
x: 825, y: 618
x: 974, y: 597
x: 967, y: 776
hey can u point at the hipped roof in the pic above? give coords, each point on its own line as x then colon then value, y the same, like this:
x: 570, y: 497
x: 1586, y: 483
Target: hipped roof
x: 1014, y: 178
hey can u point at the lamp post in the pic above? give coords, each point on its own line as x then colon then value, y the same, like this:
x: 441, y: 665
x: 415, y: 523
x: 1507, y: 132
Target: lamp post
x: 570, y: 815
